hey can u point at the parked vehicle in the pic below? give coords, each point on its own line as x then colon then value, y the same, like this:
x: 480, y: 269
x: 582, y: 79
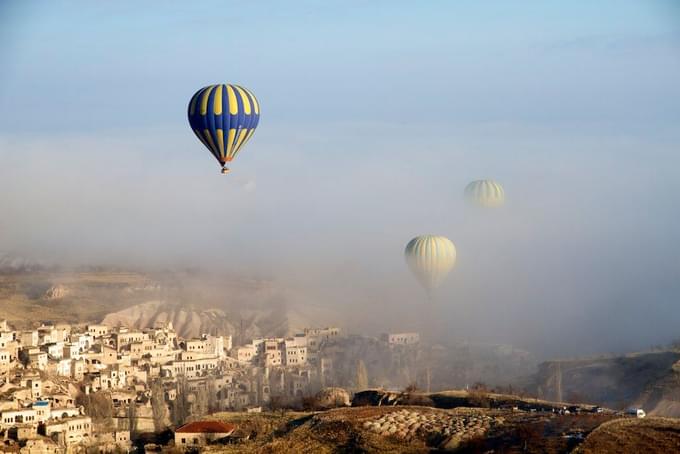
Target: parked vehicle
x: 637, y: 412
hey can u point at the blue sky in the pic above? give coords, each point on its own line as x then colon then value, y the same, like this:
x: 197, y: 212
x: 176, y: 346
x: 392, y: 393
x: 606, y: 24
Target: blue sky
x: 375, y: 115
x: 135, y: 64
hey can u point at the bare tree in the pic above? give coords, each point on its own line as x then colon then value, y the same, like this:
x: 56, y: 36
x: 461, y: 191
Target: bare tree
x: 479, y: 386
x: 180, y: 406
x: 278, y: 404
x: 132, y: 416
x: 478, y: 396
x: 98, y: 406
x: 211, y: 389
x: 310, y: 402
x: 199, y: 406
x: 158, y: 407
x: 411, y: 388
x: 428, y: 377
x: 361, y: 380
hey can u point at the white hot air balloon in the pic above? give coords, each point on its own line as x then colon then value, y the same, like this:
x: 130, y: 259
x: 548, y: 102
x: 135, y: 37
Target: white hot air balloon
x: 430, y: 259
x: 486, y: 193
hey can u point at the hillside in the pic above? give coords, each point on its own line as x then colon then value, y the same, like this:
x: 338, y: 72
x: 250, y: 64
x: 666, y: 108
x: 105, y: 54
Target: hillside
x: 648, y: 380
x: 623, y: 436
x: 73, y: 297
x: 463, y: 428
x: 194, y: 302
x: 190, y: 320
x: 409, y: 429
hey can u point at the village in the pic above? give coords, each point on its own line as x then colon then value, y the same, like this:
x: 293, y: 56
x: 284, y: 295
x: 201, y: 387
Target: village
x: 67, y: 388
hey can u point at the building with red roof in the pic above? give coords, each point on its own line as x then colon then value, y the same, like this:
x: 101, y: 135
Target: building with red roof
x: 201, y: 433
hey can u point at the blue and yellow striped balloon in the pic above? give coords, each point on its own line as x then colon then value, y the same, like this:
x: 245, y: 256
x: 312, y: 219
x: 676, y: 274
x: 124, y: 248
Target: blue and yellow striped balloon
x: 224, y: 118
x: 430, y: 259
x: 486, y: 193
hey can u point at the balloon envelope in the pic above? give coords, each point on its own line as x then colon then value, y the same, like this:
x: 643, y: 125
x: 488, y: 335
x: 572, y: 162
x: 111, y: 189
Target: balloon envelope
x: 430, y: 259
x: 486, y: 193
x: 224, y: 118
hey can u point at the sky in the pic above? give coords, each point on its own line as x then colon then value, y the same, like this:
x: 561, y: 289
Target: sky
x: 375, y: 115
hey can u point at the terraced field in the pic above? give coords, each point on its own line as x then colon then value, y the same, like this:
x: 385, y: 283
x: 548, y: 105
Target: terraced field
x: 410, y: 429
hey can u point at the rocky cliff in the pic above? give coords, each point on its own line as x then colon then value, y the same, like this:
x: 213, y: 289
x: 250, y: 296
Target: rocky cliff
x: 648, y: 380
x: 192, y: 321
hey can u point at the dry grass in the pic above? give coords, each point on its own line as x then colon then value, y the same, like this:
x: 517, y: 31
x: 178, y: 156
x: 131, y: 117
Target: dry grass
x: 91, y: 296
x: 484, y: 399
x: 340, y: 430
x: 261, y: 423
x: 649, y: 435
x: 332, y: 431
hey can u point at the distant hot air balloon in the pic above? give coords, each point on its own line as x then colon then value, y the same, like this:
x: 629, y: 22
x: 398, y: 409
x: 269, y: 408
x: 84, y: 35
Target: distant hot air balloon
x: 430, y: 259
x: 486, y: 193
x: 224, y: 118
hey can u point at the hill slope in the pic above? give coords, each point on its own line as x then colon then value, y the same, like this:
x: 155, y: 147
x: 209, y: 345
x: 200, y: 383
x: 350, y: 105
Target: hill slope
x: 195, y: 302
x: 624, y: 436
x: 73, y: 297
x: 410, y: 429
x: 648, y: 380
x: 192, y: 321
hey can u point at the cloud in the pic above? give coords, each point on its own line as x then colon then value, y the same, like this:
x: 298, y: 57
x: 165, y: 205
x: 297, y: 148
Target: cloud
x: 586, y: 241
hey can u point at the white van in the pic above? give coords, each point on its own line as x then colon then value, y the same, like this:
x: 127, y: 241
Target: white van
x: 637, y: 412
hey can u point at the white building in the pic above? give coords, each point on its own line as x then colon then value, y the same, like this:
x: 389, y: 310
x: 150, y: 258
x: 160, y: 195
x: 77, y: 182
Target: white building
x: 295, y: 355
x: 401, y: 338
x: 38, y: 360
x: 9, y: 418
x: 71, y: 430
x: 245, y: 353
x: 97, y: 331
x: 55, y: 350
x: 196, y: 434
x: 29, y: 338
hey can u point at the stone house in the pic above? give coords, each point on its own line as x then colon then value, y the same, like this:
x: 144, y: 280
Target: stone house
x: 124, y: 338
x: 71, y: 430
x: 54, y: 350
x: 43, y: 410
x: 9, y: 418
x: 200, y: 433
x: 245, y: 353
x: 98, y: 330
x: 29, y: 338
x: 37, y: 360
x: 41, y: 445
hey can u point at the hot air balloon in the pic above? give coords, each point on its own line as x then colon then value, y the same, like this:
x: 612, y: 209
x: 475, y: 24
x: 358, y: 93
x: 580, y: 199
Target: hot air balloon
x: 486, y: 193
x: 224, y: 118
x: 430, y: 259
